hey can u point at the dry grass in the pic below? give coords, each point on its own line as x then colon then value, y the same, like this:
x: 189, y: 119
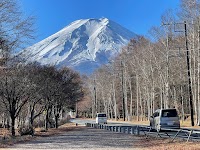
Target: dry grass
x: 166, y: 144
x: 52, y: 131
x: 8, y: 140
x: 186, y: 123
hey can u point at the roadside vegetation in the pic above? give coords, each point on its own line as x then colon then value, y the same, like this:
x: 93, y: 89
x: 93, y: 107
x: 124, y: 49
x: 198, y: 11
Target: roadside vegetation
x: 39, y: 133
x: 151, y: 72
x: 31, y: 95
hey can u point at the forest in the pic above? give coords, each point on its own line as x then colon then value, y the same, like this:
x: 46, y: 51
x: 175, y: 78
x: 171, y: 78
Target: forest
x: 31, y: 95
x: 159, y: 70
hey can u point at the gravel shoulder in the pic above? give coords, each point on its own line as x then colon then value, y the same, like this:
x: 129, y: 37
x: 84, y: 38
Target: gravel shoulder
x: 83, y: 138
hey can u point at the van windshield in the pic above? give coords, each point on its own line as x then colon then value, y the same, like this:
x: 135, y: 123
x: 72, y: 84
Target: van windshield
x: 101, y: 115
x: 169, y: 113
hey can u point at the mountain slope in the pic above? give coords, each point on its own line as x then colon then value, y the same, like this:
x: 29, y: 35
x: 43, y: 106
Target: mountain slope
x: 83, y: 45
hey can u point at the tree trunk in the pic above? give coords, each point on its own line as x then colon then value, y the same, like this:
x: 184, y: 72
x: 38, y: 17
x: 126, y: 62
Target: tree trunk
x: 46, y: 120
x: 148, y: 103
x: 13, y: 125
x: 56, y: 120
x: 141, y: 106
x: 198, y: 75
x: 161, y: 98
x: 193, y: 72
x: 131, y: 98
x: 182, y: 105
x: 125, y: 95
x: 137, y: 94
x: 114, y: 99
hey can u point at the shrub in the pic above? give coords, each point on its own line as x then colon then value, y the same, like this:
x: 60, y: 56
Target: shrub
x: 28, y: 130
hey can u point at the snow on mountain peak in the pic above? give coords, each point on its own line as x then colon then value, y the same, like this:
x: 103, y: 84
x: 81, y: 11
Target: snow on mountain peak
x: 84, y: 45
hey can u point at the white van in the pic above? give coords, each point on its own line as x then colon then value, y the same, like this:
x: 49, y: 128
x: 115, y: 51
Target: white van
x: 165, y: 118
x: 101, y: 118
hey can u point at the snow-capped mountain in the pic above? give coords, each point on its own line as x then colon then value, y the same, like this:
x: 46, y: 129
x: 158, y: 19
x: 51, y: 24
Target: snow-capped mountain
x: 84, y: 45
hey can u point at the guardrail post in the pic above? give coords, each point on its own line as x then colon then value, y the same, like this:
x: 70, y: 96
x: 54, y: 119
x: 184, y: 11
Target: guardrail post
x: 113, y: 128
x: 116, y: 129
x: 137, y: 130
x: 128, y: 130
x: 132, y: 130
x: 123, y: 130
x: 120, y: 129
x: 107, y: 127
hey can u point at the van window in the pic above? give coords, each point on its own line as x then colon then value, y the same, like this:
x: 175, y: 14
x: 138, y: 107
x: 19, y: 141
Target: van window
x: 101, y: 115
x: 169, y: 113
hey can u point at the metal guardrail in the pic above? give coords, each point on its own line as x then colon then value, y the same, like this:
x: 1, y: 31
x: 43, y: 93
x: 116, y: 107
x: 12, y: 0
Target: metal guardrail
x: 188, y: 134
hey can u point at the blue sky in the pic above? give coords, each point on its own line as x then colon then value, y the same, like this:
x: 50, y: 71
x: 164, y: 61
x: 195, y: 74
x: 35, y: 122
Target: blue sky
x: 136, y: 15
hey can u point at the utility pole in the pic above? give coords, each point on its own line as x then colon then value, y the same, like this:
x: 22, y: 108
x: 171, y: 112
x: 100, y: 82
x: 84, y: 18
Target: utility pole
x: 167, y: 84
x: 188, y: 71
x: 189, y: 76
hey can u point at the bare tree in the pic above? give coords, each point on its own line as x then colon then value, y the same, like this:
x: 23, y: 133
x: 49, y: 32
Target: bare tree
x: 14, y: 91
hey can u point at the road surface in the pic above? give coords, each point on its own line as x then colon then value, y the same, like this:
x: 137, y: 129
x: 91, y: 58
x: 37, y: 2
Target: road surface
x: 168, y: 133
x: 83, y: 138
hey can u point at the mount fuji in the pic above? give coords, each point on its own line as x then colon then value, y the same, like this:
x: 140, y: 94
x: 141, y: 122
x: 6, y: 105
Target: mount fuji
x: 84, y: 45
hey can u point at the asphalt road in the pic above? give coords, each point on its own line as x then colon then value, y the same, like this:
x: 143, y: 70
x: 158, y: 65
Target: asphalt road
x: 144, y: 130
x: 83, y: 138
x: 86, y: 138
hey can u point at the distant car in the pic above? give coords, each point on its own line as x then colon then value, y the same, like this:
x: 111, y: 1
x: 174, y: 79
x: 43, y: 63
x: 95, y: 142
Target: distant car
x: 101, y: 118
x: 165, y: 118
